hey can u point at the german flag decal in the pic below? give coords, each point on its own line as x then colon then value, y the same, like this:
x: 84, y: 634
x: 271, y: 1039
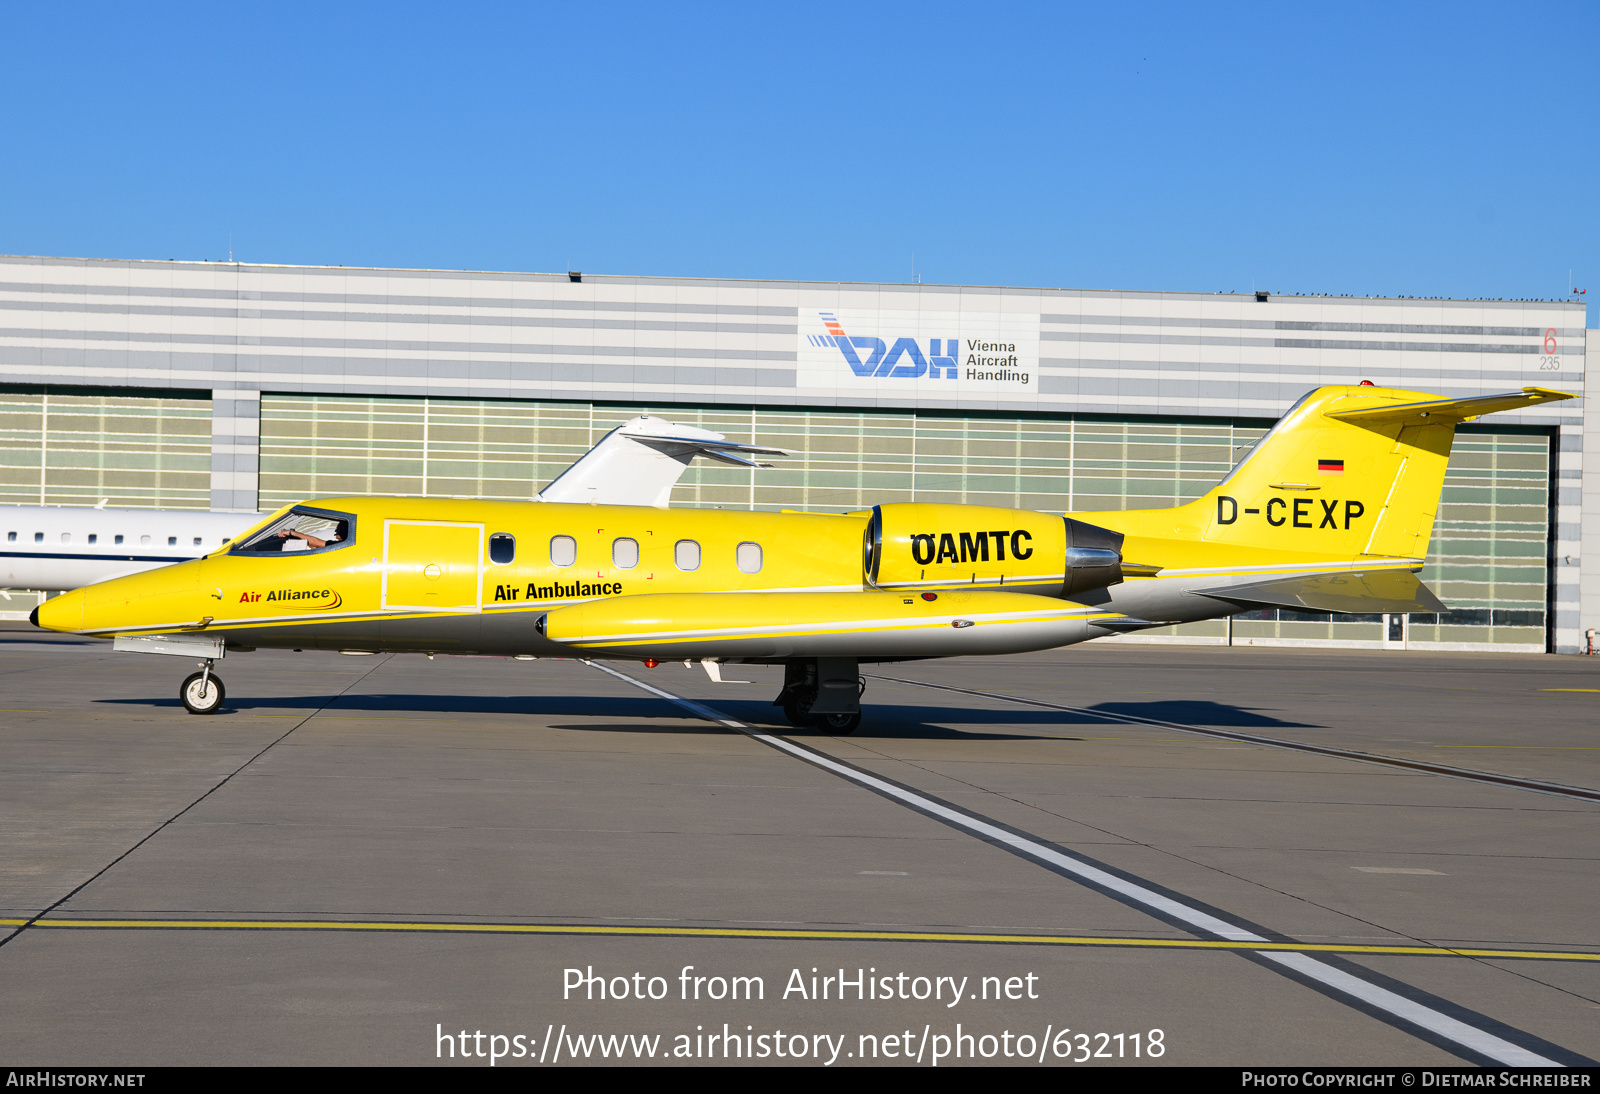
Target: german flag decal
x: 1330, y: 467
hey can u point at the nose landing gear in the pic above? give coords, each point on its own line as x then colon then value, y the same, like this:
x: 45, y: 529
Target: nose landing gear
x: 202, y: 693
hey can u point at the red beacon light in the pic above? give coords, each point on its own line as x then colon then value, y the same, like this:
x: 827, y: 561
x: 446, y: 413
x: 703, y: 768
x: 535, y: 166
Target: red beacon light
x: 1367, y: 383
x: 651, y: 662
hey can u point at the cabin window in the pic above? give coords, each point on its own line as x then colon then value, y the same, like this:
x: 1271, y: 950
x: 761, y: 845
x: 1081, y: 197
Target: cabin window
x: 11, y: 537
x: 299, y: 530
x: 502, y: 548
x: 748, y: 555
x: 625, y: 553
x: 93, y: 538
x: 172, y: 541
x: 563, y: 550
x: 38, y: 537
x: 144, y: 541
x: 197, y: 541
x: 66, y: 537
x: 117, y: 540
x: 686, y: 554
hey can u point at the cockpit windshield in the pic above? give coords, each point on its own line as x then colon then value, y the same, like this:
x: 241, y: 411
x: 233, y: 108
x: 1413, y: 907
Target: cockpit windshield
x: 299, y: 531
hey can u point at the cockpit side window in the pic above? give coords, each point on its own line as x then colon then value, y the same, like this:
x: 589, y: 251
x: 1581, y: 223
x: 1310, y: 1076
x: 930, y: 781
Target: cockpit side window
x: 302, y: 530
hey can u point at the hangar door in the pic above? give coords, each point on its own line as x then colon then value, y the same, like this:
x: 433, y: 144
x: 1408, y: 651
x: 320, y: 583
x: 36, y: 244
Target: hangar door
x: 432, y: 566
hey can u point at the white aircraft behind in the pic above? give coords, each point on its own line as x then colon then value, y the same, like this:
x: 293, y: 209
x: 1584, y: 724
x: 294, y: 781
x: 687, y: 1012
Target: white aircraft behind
x: 55, y: 548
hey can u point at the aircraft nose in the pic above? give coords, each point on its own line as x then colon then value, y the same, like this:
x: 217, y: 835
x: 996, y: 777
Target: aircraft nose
x: 60, y: 613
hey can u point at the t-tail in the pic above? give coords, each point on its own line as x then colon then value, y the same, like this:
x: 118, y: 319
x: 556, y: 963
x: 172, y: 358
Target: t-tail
x: 1331, y: 510
x: 1348, y: 471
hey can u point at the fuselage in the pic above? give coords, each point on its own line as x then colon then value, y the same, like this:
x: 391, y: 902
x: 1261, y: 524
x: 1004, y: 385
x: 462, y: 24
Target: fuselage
x: 456, y: 576
x: 421, y: 574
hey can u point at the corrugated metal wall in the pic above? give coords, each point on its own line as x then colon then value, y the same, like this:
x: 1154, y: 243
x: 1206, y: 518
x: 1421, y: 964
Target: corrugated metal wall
x: 58, y: 449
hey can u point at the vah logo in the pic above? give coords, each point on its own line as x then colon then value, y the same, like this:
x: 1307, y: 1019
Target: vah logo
x: 947, y: 358
x: 300, y: 600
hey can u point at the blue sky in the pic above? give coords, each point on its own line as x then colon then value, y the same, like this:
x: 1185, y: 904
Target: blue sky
x: 1422, y: 150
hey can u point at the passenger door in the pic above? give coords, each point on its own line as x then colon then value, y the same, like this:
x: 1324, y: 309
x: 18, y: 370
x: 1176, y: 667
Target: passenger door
x: 432, y: 566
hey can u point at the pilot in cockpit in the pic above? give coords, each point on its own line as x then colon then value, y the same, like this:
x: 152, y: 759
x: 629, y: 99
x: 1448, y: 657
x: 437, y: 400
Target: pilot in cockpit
x: 311, y: 535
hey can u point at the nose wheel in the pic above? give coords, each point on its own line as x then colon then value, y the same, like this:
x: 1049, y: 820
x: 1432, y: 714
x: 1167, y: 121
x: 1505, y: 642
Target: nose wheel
x: 202, y: 692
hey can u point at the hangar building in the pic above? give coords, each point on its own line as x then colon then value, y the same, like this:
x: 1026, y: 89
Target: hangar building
x: 243, y: 387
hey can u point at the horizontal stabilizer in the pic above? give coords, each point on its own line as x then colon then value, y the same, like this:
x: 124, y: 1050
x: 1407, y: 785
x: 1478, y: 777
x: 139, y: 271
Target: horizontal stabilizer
x: 722, y: 456
x: 1449, y: 410
x: 640, y: 461
x: 1376, y: 592
x: 680, y: 444
x: 710, y: 444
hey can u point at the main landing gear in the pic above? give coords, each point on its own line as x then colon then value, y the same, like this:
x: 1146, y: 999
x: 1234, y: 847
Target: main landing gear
x: 822, y: 694
x: 202, y: 692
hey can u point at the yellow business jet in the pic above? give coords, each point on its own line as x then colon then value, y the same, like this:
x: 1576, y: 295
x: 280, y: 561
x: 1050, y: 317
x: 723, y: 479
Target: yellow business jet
x: 1330, y: 511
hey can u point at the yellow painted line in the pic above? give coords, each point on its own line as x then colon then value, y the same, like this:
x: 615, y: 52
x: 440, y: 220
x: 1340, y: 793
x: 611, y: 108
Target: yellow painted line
x: 1566, y: 689
x: 379, y: 716
x: 1569, y: 748
x: 7, y: 711
x: 786, y: 934
x: 376, y: 716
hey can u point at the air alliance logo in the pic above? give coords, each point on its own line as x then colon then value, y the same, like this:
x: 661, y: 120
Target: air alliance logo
x: 300, y: 600
x: 972, y: 352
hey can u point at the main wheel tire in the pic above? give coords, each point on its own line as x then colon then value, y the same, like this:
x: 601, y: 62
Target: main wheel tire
x: 197, y: 702
x: 841, y: 724
x: 797, y: 710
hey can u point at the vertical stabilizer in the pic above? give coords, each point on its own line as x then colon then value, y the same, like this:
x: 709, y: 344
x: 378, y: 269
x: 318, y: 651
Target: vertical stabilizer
x: 1349, y: 471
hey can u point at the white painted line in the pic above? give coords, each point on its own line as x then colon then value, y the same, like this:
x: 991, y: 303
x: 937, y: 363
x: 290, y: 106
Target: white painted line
x: 1485, y: 1044
x: 688, y: 704
x: 1193, y: 916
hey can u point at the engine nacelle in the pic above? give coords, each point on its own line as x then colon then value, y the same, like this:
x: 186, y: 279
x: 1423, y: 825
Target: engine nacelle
x: 917, y: 545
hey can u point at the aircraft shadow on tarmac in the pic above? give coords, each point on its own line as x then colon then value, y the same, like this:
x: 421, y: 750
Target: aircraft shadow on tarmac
x: 644, y: 714
x: 627, y: 714
x: 888, y: 720
x: 1199, y: 712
